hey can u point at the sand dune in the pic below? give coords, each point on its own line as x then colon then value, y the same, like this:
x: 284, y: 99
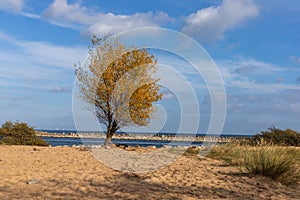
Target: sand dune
x: 70, y: 173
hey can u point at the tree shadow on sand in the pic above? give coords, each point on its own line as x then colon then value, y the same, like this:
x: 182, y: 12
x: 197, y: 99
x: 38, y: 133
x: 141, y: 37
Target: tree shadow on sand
x: 120, y: 186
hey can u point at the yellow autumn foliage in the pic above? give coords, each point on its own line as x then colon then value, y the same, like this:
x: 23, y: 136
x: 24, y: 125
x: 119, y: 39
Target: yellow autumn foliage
x: 117, y: 81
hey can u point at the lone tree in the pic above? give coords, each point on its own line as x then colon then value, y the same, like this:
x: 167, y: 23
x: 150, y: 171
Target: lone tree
x: 118, y: 84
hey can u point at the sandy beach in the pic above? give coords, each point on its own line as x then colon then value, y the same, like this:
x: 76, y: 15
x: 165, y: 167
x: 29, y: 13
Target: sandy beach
x: 73, y: 173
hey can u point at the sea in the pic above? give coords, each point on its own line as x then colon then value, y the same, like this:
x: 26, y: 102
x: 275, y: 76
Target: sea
x: 70, y: 141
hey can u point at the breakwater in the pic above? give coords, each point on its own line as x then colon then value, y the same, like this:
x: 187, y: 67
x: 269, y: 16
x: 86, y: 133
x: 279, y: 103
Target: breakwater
x: 152, y: 137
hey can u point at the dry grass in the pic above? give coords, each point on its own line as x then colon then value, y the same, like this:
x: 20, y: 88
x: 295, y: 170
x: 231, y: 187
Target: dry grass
x: 276, y: 162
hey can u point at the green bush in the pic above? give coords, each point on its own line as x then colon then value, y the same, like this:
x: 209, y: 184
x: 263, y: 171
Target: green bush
x: 19, y: 133
x: 277, y: 136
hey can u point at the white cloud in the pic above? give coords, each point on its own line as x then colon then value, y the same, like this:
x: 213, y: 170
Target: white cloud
x: 77, y: 16
x: 265, y: 103
x: 30, y: 15
x: 264, y: 88
x: 12, y: 5
x: 64, y: 14
x: 279, y: 80
x: 58, y: 89
x: 110, y: 23
x: 247, y: 75
x: 162, y: 17
x: 207, y: 24
x: 47, y: 54
x: 43, y: 53
x: 210, y: 24
x: 295, y: 59
x: 168, y: 95
x: 250, y: 65
x: 30, y: 64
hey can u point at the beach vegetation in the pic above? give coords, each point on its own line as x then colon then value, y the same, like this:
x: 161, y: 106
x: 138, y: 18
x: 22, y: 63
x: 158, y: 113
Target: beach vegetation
x: 192, y: 151
x: 19, y: 133
x: 276, y: 136
x: 280, y: 163
x: 277, y: 162
x: 118, y: 84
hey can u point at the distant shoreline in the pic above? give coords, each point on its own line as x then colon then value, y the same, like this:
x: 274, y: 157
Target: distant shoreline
x: 142, y: 136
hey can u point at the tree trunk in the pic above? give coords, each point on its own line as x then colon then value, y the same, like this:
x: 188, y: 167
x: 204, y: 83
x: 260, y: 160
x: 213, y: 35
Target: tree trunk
x: 111, y: 130
x: 110, y: 133
x: 108, y: 139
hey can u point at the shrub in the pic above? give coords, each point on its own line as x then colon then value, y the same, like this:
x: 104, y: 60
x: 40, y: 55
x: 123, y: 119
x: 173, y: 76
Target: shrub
x: 277, y: 136
x: 19, y: 133
x: 231, y: 153
x: 277, y: 162
x: 192, y: 151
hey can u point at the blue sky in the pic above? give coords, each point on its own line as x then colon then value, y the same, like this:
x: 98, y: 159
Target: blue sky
x: 255, y: 44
